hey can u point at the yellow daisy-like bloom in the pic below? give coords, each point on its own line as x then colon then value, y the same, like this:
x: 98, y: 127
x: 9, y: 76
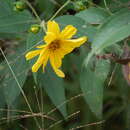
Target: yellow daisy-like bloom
x: 58, y: 44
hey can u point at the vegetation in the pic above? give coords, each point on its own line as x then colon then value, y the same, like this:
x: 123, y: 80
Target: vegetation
x: 94, y: 94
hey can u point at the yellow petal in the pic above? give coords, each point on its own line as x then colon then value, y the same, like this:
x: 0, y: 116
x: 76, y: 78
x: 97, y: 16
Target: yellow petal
x: 57, y: 71
x: 57, y: 59
x: 45, y: 61
x: 68, y: 32
x: 32, y: 54
x: 40, y: 61
x: 60, y: 53
x: 49, y: 37
x: 41, y: 46
x: 75, y: 42
x: 68, y: 45
x: 53, y: 27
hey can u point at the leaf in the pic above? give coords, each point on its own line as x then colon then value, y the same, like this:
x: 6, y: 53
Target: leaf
x: 93, y: 15
x: 83, y: 28
x: 123, y: 92
x: 92, y: 80
x: 54, y: 87
x: 114, y: 29
x: 6, y: 7
x: 34, y: 40
x: 68, y: 20
x: 19, y: 66
x: 11, y: 21
x: 12, y: 35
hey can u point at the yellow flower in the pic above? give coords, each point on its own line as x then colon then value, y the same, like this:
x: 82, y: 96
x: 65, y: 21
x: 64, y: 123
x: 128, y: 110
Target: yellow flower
x: 58, y: 44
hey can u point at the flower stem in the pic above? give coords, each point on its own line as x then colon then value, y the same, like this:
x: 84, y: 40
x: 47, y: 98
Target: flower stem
x: 36, y: 15
x: 105, y: 3
x: 99, y: 6
x: 57, y: 12
x: 33, y: 10
x: 43, y: 25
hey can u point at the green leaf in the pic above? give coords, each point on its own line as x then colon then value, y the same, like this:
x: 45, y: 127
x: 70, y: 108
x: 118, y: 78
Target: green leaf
x: 6, y: 7
x: 19, y: 66
x: 68, y: 19
x: 34, y: 40
x: 11, y: 21
x: 115, y: 29
x: 54, y: 87
x: 93, y: 15
x: 92, y: 80
x: 12, y: 35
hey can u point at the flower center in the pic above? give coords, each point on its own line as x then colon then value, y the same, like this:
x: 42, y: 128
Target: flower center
x: 54, y: 45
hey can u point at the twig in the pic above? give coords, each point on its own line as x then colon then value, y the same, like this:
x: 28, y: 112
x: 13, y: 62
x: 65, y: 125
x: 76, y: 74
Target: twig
x: 91, y: 124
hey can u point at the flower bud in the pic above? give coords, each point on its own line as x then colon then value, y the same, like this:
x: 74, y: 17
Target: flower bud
x: 19, y: 6
x: 79, y: 5
x: 35, y: 28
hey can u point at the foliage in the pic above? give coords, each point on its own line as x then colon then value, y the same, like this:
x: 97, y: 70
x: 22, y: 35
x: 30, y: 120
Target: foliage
x: 95, y: 92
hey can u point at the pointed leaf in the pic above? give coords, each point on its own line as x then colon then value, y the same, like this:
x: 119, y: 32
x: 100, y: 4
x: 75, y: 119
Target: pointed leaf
x: 19, y: 66
x: 54, y: 87
x: 92, y: 82
x: 11, y: 21
x: 93, y: 15
x: 115, y: 29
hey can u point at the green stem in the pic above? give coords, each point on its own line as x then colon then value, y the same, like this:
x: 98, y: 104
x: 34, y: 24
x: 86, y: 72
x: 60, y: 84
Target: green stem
x: 33, y: 10
x: 36, y: 15
x: 105, y: 3
x: 98, y: 6
x: 57, y: 12
x: 43, y: 25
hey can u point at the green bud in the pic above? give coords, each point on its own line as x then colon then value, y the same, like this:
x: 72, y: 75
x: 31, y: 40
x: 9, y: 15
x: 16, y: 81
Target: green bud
x: 19, y: 6
x: 79, y: 5
x: 35, y: 28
